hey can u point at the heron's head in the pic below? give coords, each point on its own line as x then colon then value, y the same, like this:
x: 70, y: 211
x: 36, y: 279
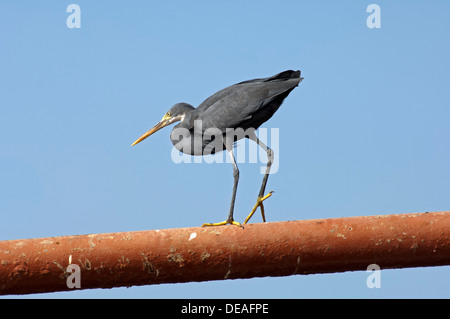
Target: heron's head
x: 175, y: 114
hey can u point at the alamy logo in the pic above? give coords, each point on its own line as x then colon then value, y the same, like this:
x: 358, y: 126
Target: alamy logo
x: 211, y: 142
x: 374, y: 19
x: 74, y: 279
x: 74, y: 19
x: 374, y: 279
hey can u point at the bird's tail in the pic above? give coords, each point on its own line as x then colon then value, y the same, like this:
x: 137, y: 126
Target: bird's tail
x: 289, y: 74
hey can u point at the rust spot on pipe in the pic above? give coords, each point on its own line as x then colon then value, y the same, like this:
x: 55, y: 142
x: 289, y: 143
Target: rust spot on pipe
x: 226, y: 252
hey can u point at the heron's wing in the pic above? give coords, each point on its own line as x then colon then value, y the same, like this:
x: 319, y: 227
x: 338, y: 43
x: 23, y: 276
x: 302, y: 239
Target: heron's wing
x: 226, y: 91
x: 239, y: 103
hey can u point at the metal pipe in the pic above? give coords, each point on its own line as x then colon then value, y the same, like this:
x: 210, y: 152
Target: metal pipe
x: 225, y: 252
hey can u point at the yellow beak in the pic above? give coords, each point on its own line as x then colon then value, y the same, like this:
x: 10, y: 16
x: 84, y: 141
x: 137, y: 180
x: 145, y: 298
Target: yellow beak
x: 163, y: 123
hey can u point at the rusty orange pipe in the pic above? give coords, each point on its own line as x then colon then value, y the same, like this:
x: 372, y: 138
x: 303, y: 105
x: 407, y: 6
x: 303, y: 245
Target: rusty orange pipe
x: 226, y: 252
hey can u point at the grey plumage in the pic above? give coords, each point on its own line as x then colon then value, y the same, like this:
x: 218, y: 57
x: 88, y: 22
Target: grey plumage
x: 243, y: 105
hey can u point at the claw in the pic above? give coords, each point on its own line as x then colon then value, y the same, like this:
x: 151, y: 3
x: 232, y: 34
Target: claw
x: 225, y: 222
x: 259, y: 203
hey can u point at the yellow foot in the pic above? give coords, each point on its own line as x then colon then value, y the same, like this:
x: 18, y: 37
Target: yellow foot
x: 225, y: 222
x: 259, y: 203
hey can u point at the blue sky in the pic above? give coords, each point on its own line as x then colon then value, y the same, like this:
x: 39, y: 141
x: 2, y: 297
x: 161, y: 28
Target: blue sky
x: 367, y: 131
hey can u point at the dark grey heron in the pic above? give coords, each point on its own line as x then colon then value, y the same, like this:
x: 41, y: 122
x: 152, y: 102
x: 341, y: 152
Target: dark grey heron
x: 240, y: 108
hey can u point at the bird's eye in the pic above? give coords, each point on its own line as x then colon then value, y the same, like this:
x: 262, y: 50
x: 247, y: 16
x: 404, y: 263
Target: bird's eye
x: 168, y: 114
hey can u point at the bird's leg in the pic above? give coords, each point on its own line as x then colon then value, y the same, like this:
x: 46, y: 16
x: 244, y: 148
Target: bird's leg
x: 261, y: 197
x: 230, y: 219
